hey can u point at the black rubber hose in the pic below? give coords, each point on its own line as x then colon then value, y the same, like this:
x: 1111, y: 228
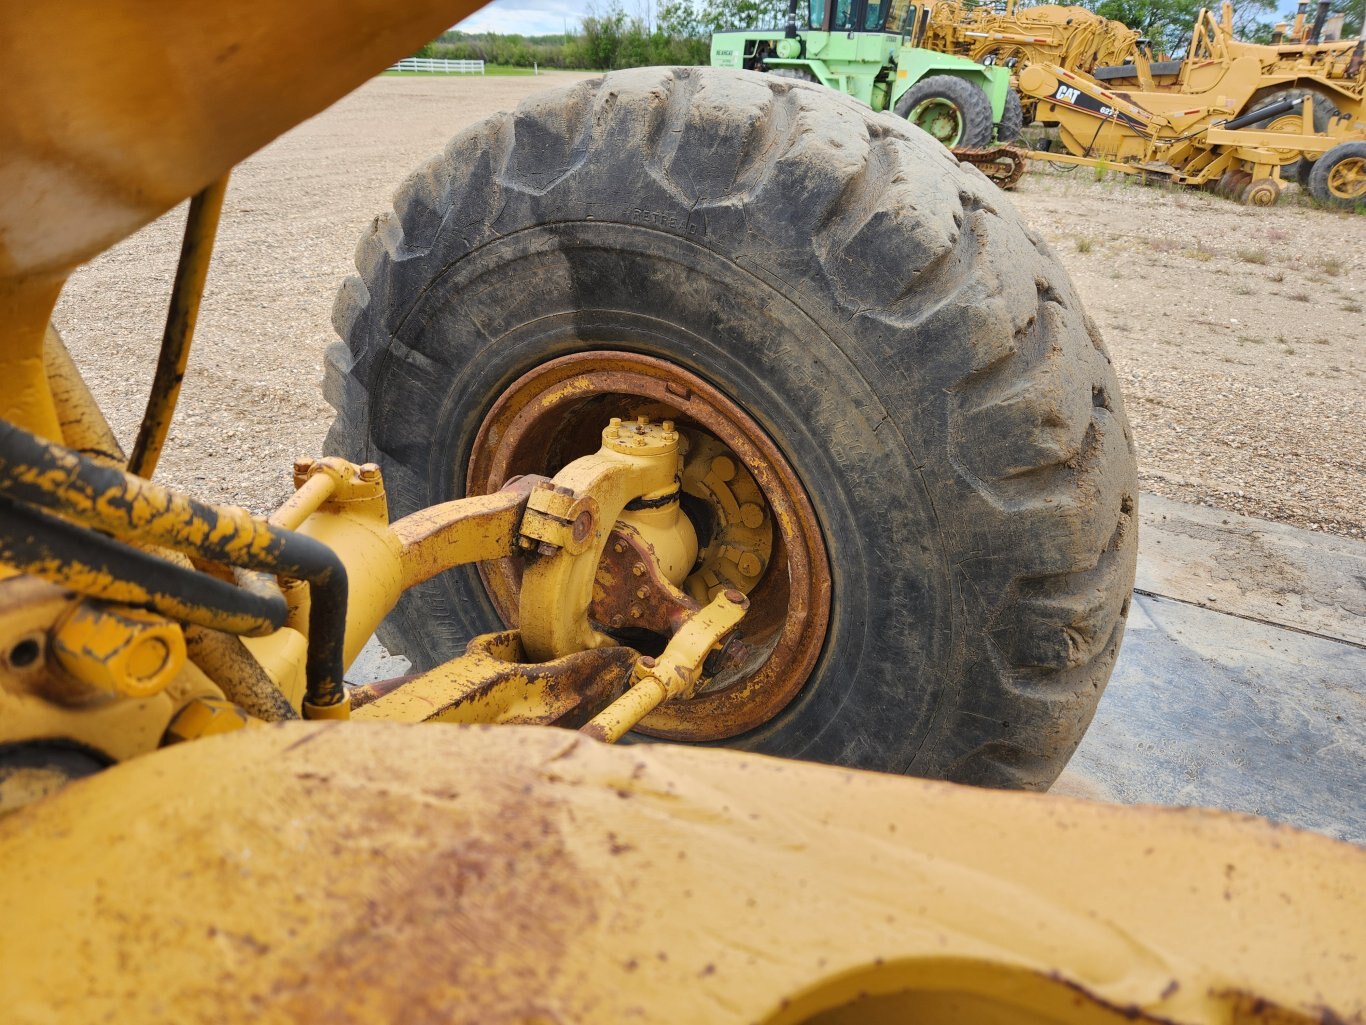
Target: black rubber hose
x: 96, y: 565
x: 50, y: 476
x: 1271, y: 110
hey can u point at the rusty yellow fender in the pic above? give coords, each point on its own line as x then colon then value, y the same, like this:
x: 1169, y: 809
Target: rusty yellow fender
x: 331, y: 872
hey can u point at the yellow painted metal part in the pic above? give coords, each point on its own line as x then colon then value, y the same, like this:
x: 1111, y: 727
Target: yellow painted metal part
x: 104, y: 706
x: 636, y: 459
x: 475, y: 529
x: 493, y: 683
x: 207, y: 717
x: 676, y: 672
x: 83, y: 427
x: 519, y: 874
x: 113, y: 114
x: 125, y: 651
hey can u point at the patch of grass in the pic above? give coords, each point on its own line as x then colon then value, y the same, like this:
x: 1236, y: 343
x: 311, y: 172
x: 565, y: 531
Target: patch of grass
x: 1242, y: 290
x: 1301, y: 297
x: 1085, y: 244
x: 1352, y: 307
x: 1200, y: 253
x: 1277, y: 235
x: 1163, y: 245
x: 1277, y: 276
x: 1330, y: 265
x: 1257, y: 256
x: 1250, y: 339
x: 1289, y: 350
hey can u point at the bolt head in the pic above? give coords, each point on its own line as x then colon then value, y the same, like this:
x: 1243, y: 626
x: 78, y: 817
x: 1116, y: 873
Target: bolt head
x: 638, y: 570
x: 369, y: 472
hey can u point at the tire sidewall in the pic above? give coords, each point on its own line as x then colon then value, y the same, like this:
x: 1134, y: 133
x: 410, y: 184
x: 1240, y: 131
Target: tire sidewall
x: 785, y: 365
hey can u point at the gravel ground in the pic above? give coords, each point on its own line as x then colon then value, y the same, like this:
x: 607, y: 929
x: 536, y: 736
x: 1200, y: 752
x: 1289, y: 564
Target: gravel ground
x: 1238, y: 333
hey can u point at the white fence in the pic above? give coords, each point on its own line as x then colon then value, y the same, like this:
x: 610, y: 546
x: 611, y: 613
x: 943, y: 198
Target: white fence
x: 443, y: 67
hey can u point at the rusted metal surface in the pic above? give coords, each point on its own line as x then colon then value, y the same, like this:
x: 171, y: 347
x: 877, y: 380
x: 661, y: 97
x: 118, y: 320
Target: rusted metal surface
x: 553, y: 415
x: 1004, y: 165
x: 524, y: 875
x: 196, y: 249
x: 630, y: 592
x: 493, y: 683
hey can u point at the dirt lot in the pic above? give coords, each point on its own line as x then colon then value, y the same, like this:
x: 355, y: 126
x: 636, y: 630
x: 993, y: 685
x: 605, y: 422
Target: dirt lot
x: 1238, y: 333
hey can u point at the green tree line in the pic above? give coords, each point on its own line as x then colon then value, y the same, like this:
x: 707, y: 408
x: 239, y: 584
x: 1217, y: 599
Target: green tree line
x: 680, y: 31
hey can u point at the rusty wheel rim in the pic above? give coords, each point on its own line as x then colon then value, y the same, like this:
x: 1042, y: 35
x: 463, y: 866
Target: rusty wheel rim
x: 555, y: 413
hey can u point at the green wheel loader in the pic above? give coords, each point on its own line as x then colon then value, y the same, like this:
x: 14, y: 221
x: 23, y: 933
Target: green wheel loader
x: 868, y: 49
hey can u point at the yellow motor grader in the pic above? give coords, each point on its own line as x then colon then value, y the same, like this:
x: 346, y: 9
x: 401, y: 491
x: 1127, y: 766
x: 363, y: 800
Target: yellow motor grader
x: 686, y: 405
x: 1234, y: 116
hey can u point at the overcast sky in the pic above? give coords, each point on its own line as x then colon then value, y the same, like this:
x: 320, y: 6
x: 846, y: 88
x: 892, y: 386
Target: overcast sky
x: 529, y: 17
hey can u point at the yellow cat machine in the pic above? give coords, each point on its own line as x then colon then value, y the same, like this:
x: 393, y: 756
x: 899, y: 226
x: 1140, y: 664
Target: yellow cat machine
x: 690, y: 405
x: 1074, y: 38
x: 1231, y: 80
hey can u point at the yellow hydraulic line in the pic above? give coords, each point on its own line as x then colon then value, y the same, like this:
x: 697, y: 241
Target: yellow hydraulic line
x: 621, y: 716
x: 196, y: 249
x: 304, y: 502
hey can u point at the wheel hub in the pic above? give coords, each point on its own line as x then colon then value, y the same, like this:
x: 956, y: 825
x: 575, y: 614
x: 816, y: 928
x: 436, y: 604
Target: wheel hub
x: 756, y: 530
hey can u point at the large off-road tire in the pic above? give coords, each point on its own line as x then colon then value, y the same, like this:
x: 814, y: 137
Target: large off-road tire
x: 1010, y: 126
x: 1324, y: 111
x: 952, y: 110
x: 913, y: 354
x: 1339, y: 176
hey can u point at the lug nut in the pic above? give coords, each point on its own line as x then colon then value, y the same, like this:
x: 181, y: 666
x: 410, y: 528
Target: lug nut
x: 641, y: 593
x: 635, y: 612
x: 369, y: 472
x: 638, y: 570
x: 619, y: 548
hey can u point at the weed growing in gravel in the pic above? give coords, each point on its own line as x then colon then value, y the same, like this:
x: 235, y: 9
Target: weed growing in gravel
x: 1250, y: 340
x: 1289, y: 350
x: 1253, y: 255
x: 1330, y: 265
x: 1242, y: 290
x: 1277, y: 235
x: 1163, y: 245
x: 1301, y: 297
x: 1200, y: 253
x: 1084, y: 244
x: 1352, y: 307
x: 1277, y: 276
